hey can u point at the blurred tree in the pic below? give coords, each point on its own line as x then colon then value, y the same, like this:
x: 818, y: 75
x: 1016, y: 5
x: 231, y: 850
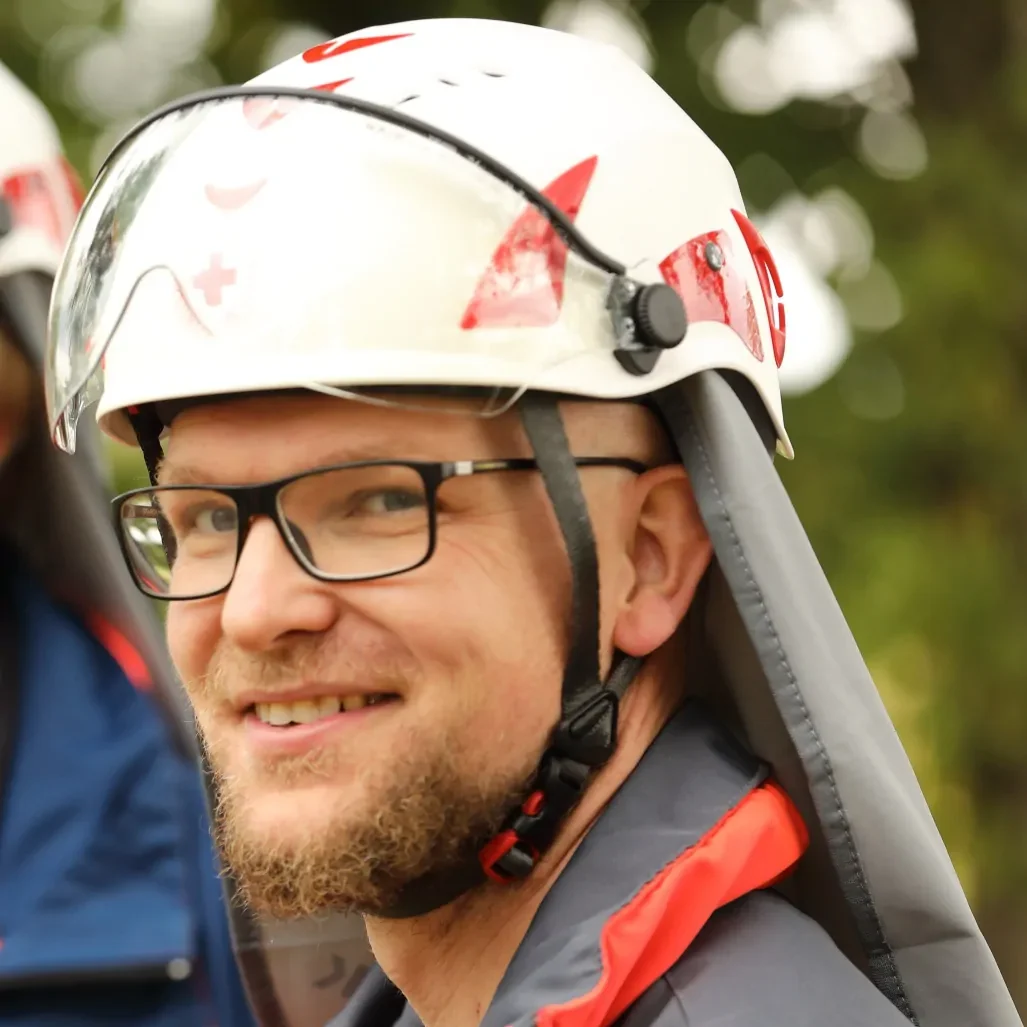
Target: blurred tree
x: 911, y: 474
x: 920, y: 520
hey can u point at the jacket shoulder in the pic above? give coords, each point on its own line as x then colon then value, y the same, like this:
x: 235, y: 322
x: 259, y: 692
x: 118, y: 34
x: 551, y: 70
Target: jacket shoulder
x: 761, y: 963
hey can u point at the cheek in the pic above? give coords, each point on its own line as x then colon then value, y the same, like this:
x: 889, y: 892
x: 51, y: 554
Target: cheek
x: 193, y: 630
x: 484, y: 621
x: 498, y: 638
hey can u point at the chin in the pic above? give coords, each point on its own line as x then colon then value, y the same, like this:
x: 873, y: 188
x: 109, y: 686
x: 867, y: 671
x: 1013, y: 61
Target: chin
x: 291, y: 814
x: 280, y: 805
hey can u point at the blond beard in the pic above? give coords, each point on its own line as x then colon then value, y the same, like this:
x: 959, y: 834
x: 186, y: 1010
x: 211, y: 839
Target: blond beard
x: 423, y: 815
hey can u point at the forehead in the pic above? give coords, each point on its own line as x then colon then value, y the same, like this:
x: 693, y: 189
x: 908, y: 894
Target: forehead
x: 260, y: 438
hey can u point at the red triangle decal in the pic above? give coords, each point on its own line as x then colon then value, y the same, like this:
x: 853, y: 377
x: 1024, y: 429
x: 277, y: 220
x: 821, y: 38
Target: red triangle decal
x: 330, y: 87
x: 523, y: 285
x: 713, y: 294
x: 232, y: 197
x: 263, y: 111
x: 33, y: 202
x: 335, y: 47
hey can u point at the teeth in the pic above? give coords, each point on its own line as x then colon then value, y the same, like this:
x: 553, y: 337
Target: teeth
x: 307, y: 711
x: 278, y: 713
x: 303, y: 711
x: 329, y: 705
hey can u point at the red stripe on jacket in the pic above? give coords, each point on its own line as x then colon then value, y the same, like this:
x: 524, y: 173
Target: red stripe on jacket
x: 752, y: 846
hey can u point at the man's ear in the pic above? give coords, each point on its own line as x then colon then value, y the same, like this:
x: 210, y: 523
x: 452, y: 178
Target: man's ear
x: 669, y: 552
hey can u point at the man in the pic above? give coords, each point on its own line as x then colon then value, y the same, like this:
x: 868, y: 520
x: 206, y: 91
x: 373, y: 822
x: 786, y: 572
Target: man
x: 453, y: 358
x: 110, y: 903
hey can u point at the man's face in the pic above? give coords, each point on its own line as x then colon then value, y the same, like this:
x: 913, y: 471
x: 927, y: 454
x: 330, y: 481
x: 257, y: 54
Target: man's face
x: 467, y: 652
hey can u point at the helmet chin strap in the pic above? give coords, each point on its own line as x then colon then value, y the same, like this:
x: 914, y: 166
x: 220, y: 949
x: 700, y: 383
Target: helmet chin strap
x: 147, y: 428
x: 586, y: 735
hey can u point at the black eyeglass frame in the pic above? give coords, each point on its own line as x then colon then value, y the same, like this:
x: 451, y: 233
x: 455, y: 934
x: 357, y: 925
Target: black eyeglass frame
x: 261, y: 500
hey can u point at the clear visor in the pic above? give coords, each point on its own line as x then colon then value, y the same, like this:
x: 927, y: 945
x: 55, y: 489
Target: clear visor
x: 303, y: 973
x: 247, y: 243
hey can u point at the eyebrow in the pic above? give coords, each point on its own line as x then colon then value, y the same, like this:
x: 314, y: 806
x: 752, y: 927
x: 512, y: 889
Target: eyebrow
x: 170, y: 473
x: 180, y: 474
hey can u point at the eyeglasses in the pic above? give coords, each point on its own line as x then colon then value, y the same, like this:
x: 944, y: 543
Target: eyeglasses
x: 347, y: 522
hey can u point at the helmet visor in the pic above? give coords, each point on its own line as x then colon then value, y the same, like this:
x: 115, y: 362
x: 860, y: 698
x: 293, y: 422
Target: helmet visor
x: 256, y: 242
x: 301, y: 973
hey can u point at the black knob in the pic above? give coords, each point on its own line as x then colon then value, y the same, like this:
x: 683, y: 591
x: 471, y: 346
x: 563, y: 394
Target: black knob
x: 659, y: 316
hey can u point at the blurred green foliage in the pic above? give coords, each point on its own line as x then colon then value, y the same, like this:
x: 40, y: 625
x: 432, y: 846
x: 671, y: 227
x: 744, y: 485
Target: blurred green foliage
x: 918, y: 518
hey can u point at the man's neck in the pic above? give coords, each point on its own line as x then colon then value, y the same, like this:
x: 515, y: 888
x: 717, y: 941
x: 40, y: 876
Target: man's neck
x: 449, y: 963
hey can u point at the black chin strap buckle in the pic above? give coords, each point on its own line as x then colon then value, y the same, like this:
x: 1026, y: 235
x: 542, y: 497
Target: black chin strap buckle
x: 588, y: 731
x: 585, y: 739
x: 513, y: 853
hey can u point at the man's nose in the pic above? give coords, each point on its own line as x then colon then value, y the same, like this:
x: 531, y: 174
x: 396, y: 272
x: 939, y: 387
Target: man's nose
x: 271, y: 596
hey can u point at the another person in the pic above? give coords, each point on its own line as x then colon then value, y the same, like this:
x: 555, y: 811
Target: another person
x: 110, y: 901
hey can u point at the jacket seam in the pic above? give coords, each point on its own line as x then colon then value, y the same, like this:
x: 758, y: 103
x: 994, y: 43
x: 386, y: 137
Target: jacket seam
x: 685, y: 1018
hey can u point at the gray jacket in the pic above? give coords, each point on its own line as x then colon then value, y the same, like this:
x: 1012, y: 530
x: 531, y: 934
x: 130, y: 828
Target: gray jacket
x: 618, y: 941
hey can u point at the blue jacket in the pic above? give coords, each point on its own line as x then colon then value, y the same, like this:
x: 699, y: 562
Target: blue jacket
x: 110, y: 902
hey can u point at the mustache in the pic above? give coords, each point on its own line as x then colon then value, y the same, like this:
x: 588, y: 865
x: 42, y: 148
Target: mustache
x: 345, y: 665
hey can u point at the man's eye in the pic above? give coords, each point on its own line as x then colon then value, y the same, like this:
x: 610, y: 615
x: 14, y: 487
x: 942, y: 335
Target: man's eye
x: 387, y: 501
x: 215, y: 519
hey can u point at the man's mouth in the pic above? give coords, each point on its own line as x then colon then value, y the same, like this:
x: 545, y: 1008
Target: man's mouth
x: 308, y: 711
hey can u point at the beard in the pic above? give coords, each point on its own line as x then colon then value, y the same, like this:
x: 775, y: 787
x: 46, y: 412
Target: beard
x: 423, y: 812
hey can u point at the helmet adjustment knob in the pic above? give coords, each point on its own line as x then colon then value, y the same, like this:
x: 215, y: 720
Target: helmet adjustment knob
x: 647, y: 319
x: 660, y: 319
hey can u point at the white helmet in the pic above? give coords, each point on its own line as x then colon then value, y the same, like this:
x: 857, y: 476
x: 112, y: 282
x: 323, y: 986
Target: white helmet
x: 39, y: 193
x: 270, y: 245
x: 39, y: 199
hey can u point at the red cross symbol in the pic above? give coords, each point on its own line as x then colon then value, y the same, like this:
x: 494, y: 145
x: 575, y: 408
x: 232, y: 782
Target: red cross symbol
x: 213, y: 280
